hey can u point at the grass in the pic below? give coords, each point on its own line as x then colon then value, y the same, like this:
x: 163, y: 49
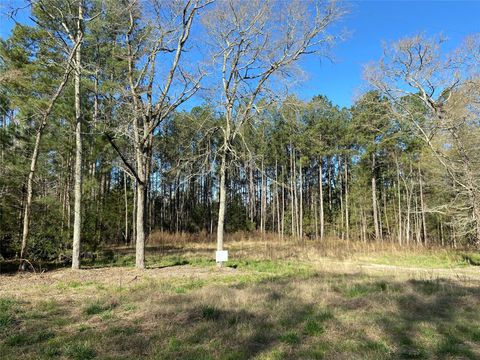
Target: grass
x: 7, y: 311
x: 80, y: 351
x: 283, y: 305
x: 99, y: 307
x: 438, y: 258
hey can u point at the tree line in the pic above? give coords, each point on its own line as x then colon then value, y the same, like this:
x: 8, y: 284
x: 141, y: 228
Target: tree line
x: 123, y: 117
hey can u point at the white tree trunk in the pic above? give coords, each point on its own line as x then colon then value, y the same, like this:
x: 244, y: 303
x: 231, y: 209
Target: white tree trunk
x: 140, y: 228
x: 77, y: 222
x: 222, y: 204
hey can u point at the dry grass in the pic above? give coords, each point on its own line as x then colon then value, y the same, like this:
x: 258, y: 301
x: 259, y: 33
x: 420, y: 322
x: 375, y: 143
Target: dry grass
x: 278, y: 300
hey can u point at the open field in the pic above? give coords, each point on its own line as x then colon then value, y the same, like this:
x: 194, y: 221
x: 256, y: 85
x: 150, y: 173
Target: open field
x: 272, y: 301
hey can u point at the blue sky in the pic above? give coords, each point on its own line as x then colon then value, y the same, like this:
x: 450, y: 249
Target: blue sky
x: 369, y: 23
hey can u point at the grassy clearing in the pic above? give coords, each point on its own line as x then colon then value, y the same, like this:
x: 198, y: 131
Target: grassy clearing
x: 184, y: 307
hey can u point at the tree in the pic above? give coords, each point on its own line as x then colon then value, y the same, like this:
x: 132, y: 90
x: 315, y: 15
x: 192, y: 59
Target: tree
x: 371, y: 121
x: 435, y: 96
x: 148, y: 42
x: 48, y: 26
x: 251, y: 43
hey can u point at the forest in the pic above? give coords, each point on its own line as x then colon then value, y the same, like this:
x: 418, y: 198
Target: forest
x: 97, y: 148
x: 148, y: 134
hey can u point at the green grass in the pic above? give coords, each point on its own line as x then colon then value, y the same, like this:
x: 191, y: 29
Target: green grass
x: 313, y: 327
x: 290, y: 338
x: 7, y: 313
x: 442, y: 259
x: 251, y: 309
x: 98, y: 307
x: 80, y: 351
x: 210, y: 313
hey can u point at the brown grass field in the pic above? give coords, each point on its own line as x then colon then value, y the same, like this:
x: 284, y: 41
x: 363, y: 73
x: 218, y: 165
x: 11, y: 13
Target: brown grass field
x: 273, y: 300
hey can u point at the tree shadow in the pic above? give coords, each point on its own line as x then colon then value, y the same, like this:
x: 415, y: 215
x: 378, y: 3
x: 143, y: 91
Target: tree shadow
x: 324, y: 315
x: 434, y: 320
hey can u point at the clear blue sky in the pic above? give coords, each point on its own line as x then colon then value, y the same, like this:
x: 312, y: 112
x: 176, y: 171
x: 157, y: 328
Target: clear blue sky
x: 369, y: 23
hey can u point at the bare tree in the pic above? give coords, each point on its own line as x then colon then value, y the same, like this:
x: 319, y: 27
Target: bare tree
x: 155, y: 42
x: 438, y: 98
x: 253, y: 42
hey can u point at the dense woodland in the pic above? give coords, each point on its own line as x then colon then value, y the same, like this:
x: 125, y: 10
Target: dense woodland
x: 121, y: 118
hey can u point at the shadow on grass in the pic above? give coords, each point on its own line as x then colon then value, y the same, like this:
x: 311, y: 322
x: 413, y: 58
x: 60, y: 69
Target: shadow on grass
x: 325, y: 315
x: 435, y: 319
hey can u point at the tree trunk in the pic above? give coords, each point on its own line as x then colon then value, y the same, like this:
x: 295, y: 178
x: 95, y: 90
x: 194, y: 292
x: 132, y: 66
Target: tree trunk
x: 222, y: 204
x: 329, y: 171
x: 292, y: 197
x: 28, y: 205
x: 77, y: 209
x: 399, y: 206
x: 408, y: 196
x: 140, y: 220
x: 263, y: 197
x: 374, y: 201
x: 125, y: 194
x: 342, y: 212
x: 134, y: 212
x: 347, y: 224
x: 283, y: 203
x: 251, y: 192
x: 385, y: 213
x: 34, y: 159
x: 278, y: 199
x: 320, y: 189
x: 300, y: 232
x: 422, y: 209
